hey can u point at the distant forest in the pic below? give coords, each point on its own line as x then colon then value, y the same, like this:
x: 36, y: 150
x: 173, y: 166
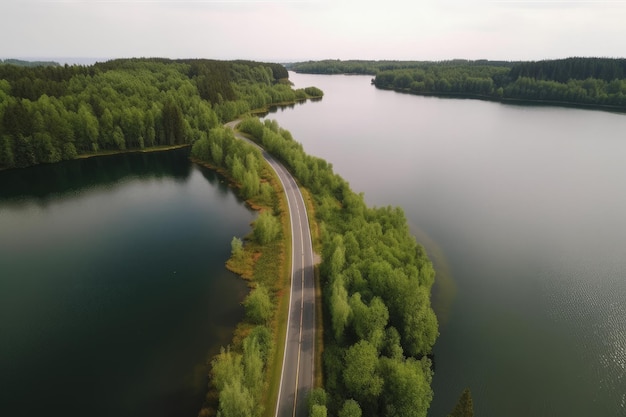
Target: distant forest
x: 589, y: 82
x: 23, y: 63
x: 50, y: 113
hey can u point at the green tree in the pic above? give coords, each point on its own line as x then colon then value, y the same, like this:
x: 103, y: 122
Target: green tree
x: 45, y: 151
x: 6, y: 152
x: 319, y: 411
x: 258, y: 305
x: 392, y: 347
x: 118, y: 138
x: 131, y: 123
x: 407, y: 391
x: 369, y: 321
x: 350, y: 408
x: 236, y: 248
x: 317, y: 397
x: 173, y: 122
x: 337, y: 258
x: 237, y: 169
x: 217, y: 154
x: 24, y: 154
x: 360, y: 374
x: 465, y: 406
x: 201, y: 149
x: 226, y: 366
x: 263, y: 337
x: 69, y: 151
x: 420, y: 328
x: 266, y: 228
x: 236, y: 401
x: 88, y: 128
x: 313, y: 92
x: 340, y: 310
x: 107, y: 129
x: 253, y: 366
x: 251, y: 184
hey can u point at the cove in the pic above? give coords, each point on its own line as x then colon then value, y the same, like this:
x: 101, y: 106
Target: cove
x: 521, y: 207
x: 113, y: 290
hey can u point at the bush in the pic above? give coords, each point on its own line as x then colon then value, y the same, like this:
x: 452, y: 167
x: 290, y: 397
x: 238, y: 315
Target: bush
x: 266, y: 228
x: 259, y: 306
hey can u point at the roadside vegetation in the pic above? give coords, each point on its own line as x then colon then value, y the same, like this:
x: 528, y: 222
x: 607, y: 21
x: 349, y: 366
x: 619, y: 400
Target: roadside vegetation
x: 376, y: 280
x: 242, y: 373
x: 586, y: 82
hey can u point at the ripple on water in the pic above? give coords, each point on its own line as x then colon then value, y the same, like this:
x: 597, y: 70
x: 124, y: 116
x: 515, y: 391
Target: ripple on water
x: 588, y: 303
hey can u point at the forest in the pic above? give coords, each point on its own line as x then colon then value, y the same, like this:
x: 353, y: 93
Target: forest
x: 376, y: 281
x: 586, y: 82
x: 50, y: 113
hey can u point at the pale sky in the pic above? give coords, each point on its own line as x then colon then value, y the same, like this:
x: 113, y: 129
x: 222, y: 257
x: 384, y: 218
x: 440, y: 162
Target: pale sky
x: 294, y: 30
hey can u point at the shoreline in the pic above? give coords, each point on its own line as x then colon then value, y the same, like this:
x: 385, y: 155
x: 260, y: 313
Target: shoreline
x: 160, y: 148
x: 513, y: 101
x: 163, y: 148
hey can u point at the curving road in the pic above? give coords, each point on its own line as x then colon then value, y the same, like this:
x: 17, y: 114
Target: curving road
x: 299, y: 356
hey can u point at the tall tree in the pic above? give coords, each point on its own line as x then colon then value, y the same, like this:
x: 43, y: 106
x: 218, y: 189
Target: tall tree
x: 173, y: 123
x: 236, y: 401
x: 258, y: 305
x: 465, y: 406
x: 266, y: 228
x: 361, y: 375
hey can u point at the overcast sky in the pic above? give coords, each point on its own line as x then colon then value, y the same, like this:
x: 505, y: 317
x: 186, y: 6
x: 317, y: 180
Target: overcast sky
x: 291, y: 30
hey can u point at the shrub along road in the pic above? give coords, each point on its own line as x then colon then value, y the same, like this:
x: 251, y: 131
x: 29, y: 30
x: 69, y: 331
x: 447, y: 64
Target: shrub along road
x: 299, y: 356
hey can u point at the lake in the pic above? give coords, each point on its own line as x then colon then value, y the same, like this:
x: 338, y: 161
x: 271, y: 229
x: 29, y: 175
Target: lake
x: 113, y: 290
x: 523, y: 211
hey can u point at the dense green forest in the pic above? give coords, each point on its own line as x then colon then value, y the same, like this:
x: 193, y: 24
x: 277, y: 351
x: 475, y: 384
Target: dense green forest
x: 376, y: 282
x: 590, y: 82
x: 53, y: 113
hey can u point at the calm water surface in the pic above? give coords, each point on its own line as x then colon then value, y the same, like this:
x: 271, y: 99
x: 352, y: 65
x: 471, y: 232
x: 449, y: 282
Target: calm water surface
x: 113, y: 289
x: 523, y: 210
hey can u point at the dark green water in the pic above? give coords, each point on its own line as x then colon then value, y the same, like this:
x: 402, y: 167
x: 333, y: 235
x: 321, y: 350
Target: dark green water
x: 524, y: 212
x: 113, y: 289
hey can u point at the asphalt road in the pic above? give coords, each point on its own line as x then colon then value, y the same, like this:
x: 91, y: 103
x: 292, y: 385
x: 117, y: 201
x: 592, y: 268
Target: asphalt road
x: 298, y: 362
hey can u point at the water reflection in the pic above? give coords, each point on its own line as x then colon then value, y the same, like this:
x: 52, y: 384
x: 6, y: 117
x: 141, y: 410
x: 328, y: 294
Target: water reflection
x: 113, y: 290
x: 43, y: 183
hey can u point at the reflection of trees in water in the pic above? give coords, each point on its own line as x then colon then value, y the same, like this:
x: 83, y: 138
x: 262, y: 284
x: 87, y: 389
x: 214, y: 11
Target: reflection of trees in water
x: 48, y: 182
x: 216, y: 179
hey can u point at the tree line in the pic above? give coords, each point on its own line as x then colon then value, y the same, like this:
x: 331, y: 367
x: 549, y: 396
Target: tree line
x: 376, y: 290
x: 590, y: 82
x: 24, y: 63
x: 369, y: 67
x: 54, y: 113
x: 594, y: 82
